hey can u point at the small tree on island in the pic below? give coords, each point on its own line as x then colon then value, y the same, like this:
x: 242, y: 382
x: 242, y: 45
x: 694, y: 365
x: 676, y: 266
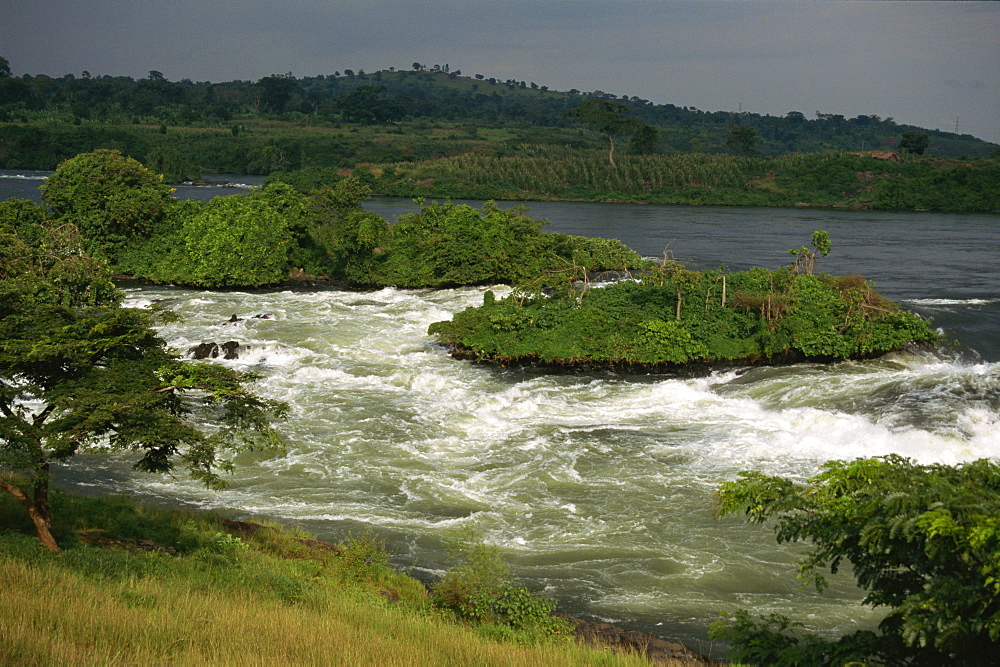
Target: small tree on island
x: 805, y: 259
x: 79, y: 372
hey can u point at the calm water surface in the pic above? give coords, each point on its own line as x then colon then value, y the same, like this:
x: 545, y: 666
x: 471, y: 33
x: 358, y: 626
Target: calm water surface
x: 597, y: 487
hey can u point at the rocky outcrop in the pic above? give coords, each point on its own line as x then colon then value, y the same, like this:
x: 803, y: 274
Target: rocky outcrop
x: 228, y: 350
x: 259, y: 316
x: 654, y: 648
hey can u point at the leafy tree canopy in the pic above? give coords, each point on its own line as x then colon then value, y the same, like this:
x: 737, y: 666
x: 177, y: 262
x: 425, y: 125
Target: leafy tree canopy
x: 607, y: 117
x: 742, y: 139
x: 914, y: 142
x: 921, y: 540
x: 111, y: 198
x: 237, y: 241
x: 79, y: 373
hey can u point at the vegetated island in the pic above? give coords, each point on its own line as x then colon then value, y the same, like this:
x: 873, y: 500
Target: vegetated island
x: 676, y: 319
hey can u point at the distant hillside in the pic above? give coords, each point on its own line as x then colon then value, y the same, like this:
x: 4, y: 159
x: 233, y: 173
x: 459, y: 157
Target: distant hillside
x: 389, y: 97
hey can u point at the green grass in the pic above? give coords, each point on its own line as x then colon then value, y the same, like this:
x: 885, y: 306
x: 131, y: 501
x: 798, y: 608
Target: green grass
x: 138, y: 585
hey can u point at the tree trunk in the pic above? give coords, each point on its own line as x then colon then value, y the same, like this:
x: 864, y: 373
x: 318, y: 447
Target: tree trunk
x: 611, y: 153
x: 37, y: 507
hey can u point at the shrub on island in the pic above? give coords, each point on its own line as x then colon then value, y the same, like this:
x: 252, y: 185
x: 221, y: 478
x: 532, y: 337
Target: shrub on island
x: 676, y: 317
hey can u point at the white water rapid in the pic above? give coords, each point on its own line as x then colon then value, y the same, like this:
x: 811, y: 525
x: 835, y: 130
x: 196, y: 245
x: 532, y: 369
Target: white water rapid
x: 598, y: 487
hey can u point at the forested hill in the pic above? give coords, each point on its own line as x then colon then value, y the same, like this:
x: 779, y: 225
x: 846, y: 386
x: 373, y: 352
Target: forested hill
x: 436, y: 94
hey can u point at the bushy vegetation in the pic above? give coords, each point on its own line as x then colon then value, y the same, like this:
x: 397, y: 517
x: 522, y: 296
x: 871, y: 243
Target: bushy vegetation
x: 479, y: 588
x: 112, y: 199
x: 80, y: 371
x: 447, y: 244
x: 129, y: 219
x: 72, y: 107
x: 675, y: 316
x: 141, y: 585
x: 923, y: 541
x: 435, y: 133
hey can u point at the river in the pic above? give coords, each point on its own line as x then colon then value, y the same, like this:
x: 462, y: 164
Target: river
x: 598, y: 487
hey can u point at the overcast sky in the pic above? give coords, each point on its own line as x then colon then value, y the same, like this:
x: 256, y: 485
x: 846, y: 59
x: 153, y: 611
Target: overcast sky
x: 931, y: 64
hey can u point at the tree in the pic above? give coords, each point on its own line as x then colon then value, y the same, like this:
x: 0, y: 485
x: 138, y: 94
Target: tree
x: 351, y: 237
x: 914, y: 142
x: 4, y: 68
x: 922, y: 540
x: 79, y: 372
x: 112, y: 199
x: 805, y: 259
x: 275, y: 92
x: 168, y: 161
x: 742, y: 139
x: 645, y: 140
x: 608, y: 118
x: 237, y: 241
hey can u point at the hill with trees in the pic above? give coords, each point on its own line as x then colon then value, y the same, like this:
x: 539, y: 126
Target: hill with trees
x: 438, y: 94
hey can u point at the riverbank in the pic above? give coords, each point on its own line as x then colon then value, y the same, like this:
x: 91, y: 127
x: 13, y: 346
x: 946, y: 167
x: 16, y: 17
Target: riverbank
x: 144, y: 585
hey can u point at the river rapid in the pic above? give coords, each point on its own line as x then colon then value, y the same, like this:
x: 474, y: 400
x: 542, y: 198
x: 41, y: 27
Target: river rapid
x: 598, y: 487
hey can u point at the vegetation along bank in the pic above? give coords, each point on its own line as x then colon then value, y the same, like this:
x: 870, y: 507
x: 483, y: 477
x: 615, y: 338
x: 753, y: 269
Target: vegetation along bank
x: 433, y: 132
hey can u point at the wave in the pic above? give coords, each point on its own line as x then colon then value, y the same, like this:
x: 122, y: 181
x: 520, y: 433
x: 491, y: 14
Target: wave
x: 26, y: 177
x: 951, y: 302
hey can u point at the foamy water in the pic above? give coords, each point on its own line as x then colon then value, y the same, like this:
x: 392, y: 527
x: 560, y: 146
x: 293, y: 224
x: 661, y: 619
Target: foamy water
x: 598, y: 487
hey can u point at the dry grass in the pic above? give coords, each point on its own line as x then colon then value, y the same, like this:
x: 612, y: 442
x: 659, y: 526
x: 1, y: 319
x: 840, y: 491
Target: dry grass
x: 54, y: 617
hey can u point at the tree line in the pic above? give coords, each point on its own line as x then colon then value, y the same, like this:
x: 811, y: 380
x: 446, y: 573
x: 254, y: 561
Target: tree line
x: 439, y: 94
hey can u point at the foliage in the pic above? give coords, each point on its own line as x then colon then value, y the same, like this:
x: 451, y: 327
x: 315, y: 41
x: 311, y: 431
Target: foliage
x: 111, y: 198
x: 172, y: 165
x: 914, y: 142
x: 921, y: 540
x: 805, y: 259
x: 479, y: 589
x: 237, y: 241
x: 742, y: 139
x: 843, y: 180
x: 78, y: 114
x: 645, y: 141
x: 677, y: 317
x: 608, y: 118
x: 79, y: 372
x: 350, y: 237
x: 447, y: 244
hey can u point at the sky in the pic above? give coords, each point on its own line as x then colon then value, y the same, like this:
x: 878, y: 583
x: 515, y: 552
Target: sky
x: 931, y: 64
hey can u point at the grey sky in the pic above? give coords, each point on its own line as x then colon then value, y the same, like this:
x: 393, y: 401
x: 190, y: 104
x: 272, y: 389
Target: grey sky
x: 923, y: 63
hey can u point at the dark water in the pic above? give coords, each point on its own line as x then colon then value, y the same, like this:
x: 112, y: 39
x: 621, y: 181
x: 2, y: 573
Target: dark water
x: 943, y: 266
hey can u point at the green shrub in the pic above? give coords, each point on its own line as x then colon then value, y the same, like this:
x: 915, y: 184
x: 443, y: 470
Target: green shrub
x: 237, y: 242
x: 676, y: 316
x: 479, y: 589
x: 111, y: 198
x: 921, y: 540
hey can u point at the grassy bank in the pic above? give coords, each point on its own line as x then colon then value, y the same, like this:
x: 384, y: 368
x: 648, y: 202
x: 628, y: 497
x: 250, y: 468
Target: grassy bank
x: 140, y: 585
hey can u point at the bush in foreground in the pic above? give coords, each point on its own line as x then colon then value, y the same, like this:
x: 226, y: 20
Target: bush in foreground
x: 922, y: 541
